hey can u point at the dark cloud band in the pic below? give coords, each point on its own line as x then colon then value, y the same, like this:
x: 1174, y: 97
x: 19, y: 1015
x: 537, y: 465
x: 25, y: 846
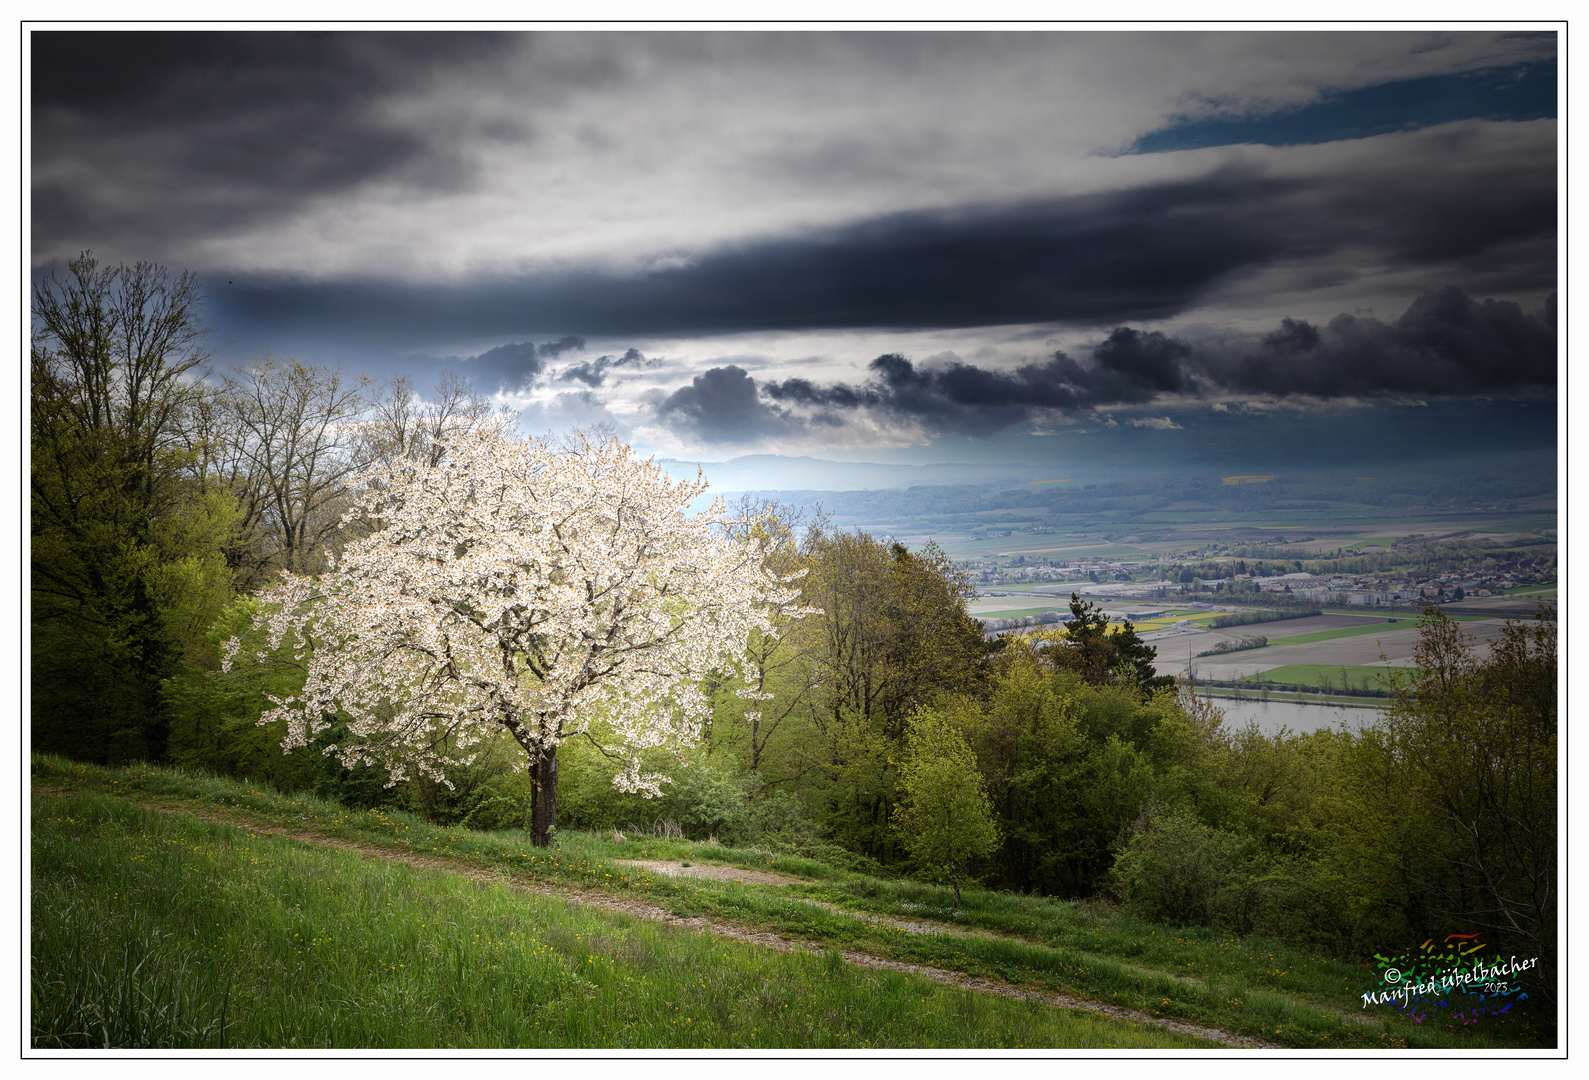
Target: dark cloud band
x: 1445, y: 344
x: 1142, y: 254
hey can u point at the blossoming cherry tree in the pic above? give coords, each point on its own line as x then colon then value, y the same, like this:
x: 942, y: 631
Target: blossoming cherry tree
x: 549, y: 592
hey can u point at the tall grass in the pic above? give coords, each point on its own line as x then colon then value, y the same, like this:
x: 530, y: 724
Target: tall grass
x: 163, y: 930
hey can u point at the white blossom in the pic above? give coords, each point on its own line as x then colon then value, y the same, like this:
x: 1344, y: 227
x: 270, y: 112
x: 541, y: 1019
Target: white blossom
x: 524, y: 587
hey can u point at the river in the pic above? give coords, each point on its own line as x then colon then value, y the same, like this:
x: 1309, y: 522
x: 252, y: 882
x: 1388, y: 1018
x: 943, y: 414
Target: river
x: 1296, y: 715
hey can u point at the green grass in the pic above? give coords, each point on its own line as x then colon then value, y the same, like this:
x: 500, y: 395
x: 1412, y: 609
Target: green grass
x: 156, y: 930
x: 1300, y: 697
x: 1530, y: 590
x: 1346, y: 631
x: 1386, y: 626
x: 1361, y: 676
x: 1017, y: 613
x: 1282, y: 994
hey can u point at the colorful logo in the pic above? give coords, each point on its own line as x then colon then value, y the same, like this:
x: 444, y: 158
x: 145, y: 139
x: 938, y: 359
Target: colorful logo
x: 1450, y: 976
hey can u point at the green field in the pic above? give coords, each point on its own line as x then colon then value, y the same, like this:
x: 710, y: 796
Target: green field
x: 1384, y: 542
x: 1345, y: 631
x: 1359, y: 676
x: 160, y: 929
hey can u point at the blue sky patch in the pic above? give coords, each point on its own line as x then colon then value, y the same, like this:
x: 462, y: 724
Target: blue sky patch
x: 1519, y: 92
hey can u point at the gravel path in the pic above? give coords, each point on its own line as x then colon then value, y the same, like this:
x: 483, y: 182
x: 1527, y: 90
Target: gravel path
x: 715, y: 873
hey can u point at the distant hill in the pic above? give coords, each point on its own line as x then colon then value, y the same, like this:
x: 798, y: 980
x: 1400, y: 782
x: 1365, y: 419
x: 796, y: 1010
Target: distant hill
x: 775, y: 472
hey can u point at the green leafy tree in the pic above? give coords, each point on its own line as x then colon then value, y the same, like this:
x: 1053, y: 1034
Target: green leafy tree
x: 892, y: 635
x: 895, y: 633
x: 1031, y: 752
x: 126, y: 528
x: 944, y: 816
x: 780, y: 667
x: 215, y: 715
x: 1472, y: 746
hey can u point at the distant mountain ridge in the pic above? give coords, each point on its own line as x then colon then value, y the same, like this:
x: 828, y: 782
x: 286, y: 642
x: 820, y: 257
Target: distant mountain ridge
x: 775, y: 472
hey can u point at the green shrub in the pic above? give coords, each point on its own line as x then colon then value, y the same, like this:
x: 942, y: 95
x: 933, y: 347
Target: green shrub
x: 708, y: 800
x: 1179, y: 871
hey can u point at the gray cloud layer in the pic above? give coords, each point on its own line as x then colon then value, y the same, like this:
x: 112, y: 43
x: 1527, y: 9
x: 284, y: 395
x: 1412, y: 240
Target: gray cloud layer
x: 525, y: 162
x: 1141, y: 254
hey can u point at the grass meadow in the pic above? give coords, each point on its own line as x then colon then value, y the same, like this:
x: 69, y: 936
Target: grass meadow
x: 143, y: 919
x: 158, y: 930
x: 1358, y: 676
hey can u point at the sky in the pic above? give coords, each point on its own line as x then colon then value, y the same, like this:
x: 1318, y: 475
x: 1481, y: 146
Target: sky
x: 1048, y: 247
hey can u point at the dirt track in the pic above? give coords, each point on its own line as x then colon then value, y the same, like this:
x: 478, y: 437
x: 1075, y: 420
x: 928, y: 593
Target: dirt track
x: 711, y: 872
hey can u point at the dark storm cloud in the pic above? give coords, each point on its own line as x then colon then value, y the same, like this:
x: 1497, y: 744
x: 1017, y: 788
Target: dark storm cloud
x: 1129, y: 367
x: 1135, y: 366
x: 1146, y: 253
x: 213, y: 130
x: 721, y: 406
x: 593, y: 373
x: 515, y: 366
x: 1445, y: 344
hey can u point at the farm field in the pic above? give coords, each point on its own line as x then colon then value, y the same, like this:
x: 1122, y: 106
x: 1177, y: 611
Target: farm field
x: 1044, y: 546
x: 1057, y: 590
x: 997, y: 605
x: 1307, y: 638
x: 1016, y: 613
x: 1330, y: 648
x: 373, y: 929
x: 1314, y: 624
x: 1322, y: 676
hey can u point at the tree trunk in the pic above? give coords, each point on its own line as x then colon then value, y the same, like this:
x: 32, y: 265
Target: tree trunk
x: 954, y: 876
x: 543, y: 810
